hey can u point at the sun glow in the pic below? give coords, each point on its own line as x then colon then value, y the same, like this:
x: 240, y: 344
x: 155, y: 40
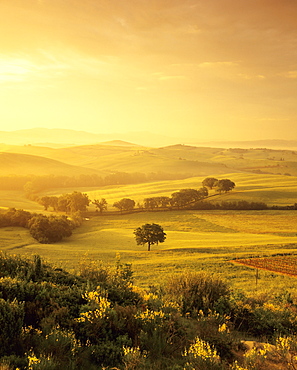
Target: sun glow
x: 178, y: 69
x: 15, y: 69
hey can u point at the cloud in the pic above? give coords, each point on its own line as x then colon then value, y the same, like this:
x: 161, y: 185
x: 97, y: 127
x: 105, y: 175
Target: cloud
x: 13, y: 69
x: 291, y: 74
x: 246, y: 76
x: 47, y: 65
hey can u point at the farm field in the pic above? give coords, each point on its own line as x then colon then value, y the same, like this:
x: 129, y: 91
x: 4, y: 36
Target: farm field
x: 280, y: 264
x: 196, y: 241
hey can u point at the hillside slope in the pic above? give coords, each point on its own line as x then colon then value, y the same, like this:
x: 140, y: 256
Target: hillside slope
x: 177, y: 160
x: 24, y: 164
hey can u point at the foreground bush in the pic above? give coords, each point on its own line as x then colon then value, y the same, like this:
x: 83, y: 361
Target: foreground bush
x: 99, y: 319
x: 198, y: 292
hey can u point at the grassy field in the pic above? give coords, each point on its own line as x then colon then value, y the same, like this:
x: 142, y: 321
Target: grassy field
x: 196, y: 240
x: 271, y: 189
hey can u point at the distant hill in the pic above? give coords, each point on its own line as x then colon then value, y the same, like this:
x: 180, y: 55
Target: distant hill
x: 57, y: 138
x: 64, y: 137
x: 175, y: 160
x: 118, y: 143
x: 269, y: 144
x: 24, y: 164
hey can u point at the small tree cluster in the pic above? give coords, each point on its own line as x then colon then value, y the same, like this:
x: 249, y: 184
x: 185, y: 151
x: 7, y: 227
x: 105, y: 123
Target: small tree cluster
x: 125, y: 204
x: 185, y: 197
x: 220, y: 186
x: 178, y: 199
x: 49, y: 229
x: 156, y: 202
x: 42, y: 228
x: 69, y: 203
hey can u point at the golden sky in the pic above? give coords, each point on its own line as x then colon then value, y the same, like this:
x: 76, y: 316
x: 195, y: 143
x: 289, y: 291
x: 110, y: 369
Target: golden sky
x: 200, y: 69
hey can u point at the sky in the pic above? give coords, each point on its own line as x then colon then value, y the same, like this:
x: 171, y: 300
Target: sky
x: 200, y: 69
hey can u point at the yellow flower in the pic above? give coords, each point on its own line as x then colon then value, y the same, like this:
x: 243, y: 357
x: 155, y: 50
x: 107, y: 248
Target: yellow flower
x: 223, y: 328
x: 203, y: 350
x: 33, y: 360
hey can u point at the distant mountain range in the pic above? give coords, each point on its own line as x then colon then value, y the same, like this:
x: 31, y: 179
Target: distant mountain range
x: 270, y: 144
x: 63, y: 137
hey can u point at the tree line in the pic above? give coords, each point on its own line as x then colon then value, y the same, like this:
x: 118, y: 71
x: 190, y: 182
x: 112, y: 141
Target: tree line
x: 178, y: 200
x: 78, y: 201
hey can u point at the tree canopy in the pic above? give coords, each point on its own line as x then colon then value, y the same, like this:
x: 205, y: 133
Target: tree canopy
x: 225, y: 185
x: 149, y: 234
x: 69, y: 203
x: 186, y: 196
x: 210, y: 182
x: 125, y: 204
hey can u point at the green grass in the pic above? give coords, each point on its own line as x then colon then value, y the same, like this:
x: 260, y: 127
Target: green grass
x: 196, y: 241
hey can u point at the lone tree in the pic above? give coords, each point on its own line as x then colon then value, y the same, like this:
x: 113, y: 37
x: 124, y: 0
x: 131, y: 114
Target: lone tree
x: 149, y: 234
x: 100, y: 204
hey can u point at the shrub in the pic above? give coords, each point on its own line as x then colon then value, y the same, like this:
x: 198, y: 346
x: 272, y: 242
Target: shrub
x: 11, y: 322
x: 198, y: 292
x: 202, y: 356
x: 49, y: 229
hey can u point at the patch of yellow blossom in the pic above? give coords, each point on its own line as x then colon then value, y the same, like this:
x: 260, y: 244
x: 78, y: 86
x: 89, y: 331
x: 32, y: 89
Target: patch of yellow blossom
x: 101, y: 306
x: 150, y: 315
x: 223, y: 328
x: 138, y: 290
x: 133, y: 358
x: 29, y: 329
x: 256, y: 356
x: 32, y: 359
x: 235, y: 366
x: 203, y: 350
x: 283, y: 344
x: 271, y: 307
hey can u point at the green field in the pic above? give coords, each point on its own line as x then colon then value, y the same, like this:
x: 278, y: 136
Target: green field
x: 196, y: 240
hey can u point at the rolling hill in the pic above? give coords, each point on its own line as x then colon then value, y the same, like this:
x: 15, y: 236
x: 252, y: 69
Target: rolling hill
x: 176, y: 160
x: 24, y: 164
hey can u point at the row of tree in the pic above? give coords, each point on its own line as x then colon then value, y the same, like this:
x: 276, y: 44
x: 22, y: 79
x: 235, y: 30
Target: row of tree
x: 223, y: 185
x: 77, y: 201
x: 69, y: 203
x: 179, y: 199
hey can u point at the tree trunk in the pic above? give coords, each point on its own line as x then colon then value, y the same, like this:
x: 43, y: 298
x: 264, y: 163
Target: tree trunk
x: 148, y: 246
